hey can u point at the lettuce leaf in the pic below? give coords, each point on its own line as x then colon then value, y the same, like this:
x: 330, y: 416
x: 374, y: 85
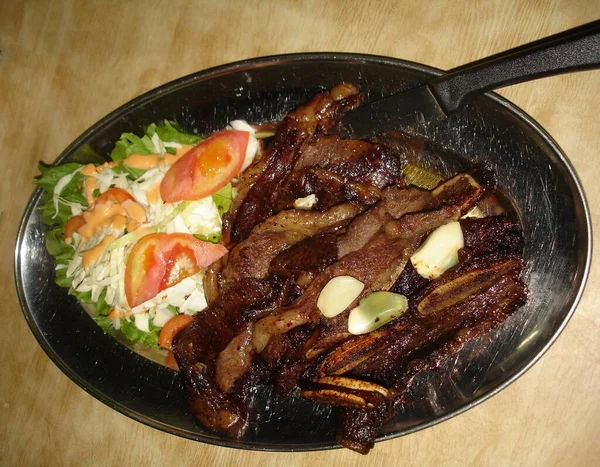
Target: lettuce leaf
x: 132, y: 174
x: 104, y: 322
x: 223, y: 199
x: 171, y: 133
x: 71, y: 192
x: 86, y: 154
x: 57, y: 247
x: 131, y: 144
x: 101, y: 307
x: 134, y: 334
x: 50, y: 175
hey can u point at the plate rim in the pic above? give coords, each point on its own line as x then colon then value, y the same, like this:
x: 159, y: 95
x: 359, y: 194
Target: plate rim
x: 273, y: 60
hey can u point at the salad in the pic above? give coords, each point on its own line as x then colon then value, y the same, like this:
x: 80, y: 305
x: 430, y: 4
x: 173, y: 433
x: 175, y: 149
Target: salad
x: 132, y: 237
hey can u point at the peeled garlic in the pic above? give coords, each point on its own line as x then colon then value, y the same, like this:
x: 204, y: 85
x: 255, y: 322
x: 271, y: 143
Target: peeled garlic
x: 338, y: 294
x: 308, y: 202
x: 439, y: 252
x: 375, y: 310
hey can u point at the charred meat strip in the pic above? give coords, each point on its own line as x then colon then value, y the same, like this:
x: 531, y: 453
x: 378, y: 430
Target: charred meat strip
x: 257, y: 200
x: 377, y: 265
x: 466, y: 189
x: 252, y: 257
x: 422, y: 345
x: 481, y: 236
x: 335, y: 170
x: 393, y: 205
x: 306, y: 259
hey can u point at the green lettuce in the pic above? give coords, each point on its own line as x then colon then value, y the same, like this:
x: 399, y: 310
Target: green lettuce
x: 171, y: 133
x: 132, y: 174
x: 223, y: 199
x: 49, y: 175
x: 104, y: 322
x: 86, y: 154
x: 131, y: 144
x: 134, y: 334
x: 101, y: 307
x: 56, y: 246
x: 71, y: 192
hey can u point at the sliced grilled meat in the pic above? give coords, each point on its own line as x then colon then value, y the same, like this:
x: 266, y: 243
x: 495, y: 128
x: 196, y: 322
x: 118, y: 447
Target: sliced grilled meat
x: 253, y: 256
x: 258, y: 193
x: 336, y: 170
x: 496, y: 234
x: 306, y: 259
x: 377, y: 265
x: 394, y: 204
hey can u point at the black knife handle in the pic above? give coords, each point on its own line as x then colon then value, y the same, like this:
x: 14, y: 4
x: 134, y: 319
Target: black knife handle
x: 573, y: 50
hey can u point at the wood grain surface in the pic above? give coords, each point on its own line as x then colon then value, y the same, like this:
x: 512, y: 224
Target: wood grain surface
x: 66, y: 64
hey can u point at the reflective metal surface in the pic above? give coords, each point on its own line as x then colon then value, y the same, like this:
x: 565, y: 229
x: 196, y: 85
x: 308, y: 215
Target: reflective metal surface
x: 531, y: 169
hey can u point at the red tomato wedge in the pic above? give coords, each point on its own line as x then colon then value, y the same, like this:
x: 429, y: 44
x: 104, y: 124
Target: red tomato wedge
x: 115, y: 196
x: 172, y: 328
x: 206, y: 168
x: 159, y: 261
x: 72, y: 226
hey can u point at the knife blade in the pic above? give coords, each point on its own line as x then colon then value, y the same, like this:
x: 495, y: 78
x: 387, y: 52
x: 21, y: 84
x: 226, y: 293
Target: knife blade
x: 415, y: 105
x: 576, y: 49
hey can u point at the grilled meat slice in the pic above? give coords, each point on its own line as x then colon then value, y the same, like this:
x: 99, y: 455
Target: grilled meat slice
x: 346, y: 392
x: 328, y: 186
x: 335, y: 170
x: 258, y: 195
x: 394, y: 204
x: 306, y: 259
x: 234, y: 360
x: 466, y: 189
x: 492, y: 234
x: 496, y: 234
x: 218, y: 411
x: 252, y: 257
x: 423, y: 342
x: 358, y: 428
x: 377, y: 265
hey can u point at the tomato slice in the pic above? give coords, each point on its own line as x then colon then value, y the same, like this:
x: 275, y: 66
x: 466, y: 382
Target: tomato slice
x: 159, y: 261
x: 172, y: 328
x: 206, y: 168
x: 72, y: 225
x: 115, y: 196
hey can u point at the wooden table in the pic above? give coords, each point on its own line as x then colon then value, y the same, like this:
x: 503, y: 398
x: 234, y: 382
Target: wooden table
x: 65, y: 64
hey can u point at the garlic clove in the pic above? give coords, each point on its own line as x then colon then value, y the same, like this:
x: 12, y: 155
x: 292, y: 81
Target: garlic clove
x: 439, y: 251
x: 308, y: 202
x: 375, y: 310
x: 338, y: 294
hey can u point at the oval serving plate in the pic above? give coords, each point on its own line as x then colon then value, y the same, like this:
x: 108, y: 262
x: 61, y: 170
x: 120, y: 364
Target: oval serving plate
x: 531, y: 169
